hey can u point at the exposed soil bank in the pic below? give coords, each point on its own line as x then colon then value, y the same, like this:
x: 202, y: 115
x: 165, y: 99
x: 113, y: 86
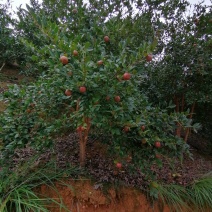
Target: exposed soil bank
x: 81, y: 195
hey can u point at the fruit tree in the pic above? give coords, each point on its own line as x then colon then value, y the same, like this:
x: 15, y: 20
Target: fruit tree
x: 91, y: 83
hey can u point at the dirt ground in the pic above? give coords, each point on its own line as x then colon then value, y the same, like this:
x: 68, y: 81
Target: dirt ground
x: 82, y: 196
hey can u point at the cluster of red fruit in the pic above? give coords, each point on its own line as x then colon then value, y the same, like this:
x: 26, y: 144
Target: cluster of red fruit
x: 82, y: 89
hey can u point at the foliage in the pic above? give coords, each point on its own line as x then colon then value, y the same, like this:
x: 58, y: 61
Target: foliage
x: 183, y: 72
x: 18, y: 186
x: 196, y: 196
x: 11, y: 49
x: 201, y: 191
x: 38, y: 112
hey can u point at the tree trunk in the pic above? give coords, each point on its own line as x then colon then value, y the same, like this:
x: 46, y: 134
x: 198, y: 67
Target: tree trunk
x: 83, y: 137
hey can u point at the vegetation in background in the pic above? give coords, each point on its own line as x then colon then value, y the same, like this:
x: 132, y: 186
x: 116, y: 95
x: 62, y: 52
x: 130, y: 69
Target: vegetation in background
x: 137, y: 76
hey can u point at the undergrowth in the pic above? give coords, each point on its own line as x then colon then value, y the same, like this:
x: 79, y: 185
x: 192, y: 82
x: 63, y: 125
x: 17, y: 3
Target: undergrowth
x: 17, y: 187
x: 195, y: 197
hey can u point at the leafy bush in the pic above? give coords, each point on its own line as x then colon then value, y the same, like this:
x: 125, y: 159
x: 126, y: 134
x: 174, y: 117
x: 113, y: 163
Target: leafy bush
x: 11, y: 48
x: 182, y: 74
x: 92, y: 78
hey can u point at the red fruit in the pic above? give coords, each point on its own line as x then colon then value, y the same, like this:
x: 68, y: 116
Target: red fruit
x: 106, y: 39
x: 118, y: 165
x: 117, y: 98
x: 107, y: 98
x: 68, y: 92
x: 149, y: 58
x: 126, y: 76
x: 75, y: 53
x: 126, y: 129
x: 100, y: 62
x: 82, y: 89
x: 64, y: 60
x: 143, y: 127
x: 157, y: 144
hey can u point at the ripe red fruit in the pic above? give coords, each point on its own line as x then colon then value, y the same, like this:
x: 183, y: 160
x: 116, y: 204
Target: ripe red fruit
x: 117, y: 98
x: 64, y: 60
x: 118, y: 165
x: 82, y: 89
x: 157, y: 144
x: 126, y: 129
x: 143, y: 127
x: 149, y: 58
x: 75, y: 53
x: 100, y: 62
x: 68, y: 92
x: 106, y: 39
x: 126, y: 76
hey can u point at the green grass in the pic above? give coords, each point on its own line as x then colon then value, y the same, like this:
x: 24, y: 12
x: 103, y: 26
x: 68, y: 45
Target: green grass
x: 195, y: 197
x: 17, y: 187
x: 201, y: 192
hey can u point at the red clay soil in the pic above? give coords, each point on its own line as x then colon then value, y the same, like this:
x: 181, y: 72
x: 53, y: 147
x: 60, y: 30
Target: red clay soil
x: 81, y: 196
